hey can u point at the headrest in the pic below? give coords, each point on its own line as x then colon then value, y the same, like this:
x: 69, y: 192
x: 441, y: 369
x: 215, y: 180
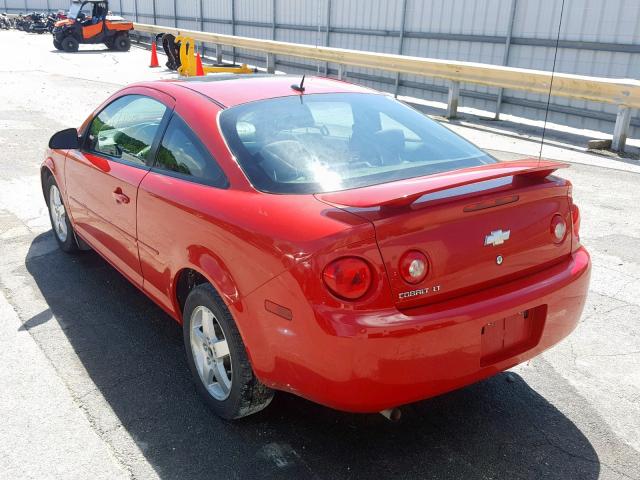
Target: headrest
x: 392, y: 139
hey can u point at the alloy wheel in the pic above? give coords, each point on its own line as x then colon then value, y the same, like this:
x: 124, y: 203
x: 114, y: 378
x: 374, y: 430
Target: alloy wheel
x: 211, y: 353
x: 58, y: 213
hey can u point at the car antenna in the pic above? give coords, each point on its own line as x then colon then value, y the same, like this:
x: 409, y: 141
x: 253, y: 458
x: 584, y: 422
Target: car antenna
x: 299, y: 88
x: 553, y: 72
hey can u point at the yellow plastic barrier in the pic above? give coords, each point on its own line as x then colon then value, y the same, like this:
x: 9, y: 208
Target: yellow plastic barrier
x: 229, y: 69
x: 188, y: 68
x: 187, y: 56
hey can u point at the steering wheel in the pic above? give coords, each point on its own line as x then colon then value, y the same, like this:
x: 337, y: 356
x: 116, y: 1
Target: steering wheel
x: 138, y: 132
x: 143, y: 153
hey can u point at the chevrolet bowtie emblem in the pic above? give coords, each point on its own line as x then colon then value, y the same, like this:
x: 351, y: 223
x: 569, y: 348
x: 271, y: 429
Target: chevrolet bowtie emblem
x: 497, y: 237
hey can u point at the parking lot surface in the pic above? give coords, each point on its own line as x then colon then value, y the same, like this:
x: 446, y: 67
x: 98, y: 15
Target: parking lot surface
x: 95, y: 382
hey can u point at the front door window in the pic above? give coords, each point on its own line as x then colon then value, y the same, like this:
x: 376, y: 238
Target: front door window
x: 126, y: 128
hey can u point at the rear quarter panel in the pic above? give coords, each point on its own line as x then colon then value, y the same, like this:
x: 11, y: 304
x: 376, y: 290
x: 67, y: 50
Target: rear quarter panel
x: 237, y: 238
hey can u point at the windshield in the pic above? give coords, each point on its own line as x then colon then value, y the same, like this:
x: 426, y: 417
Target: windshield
x: 74, y: 10
x: 328, y: 142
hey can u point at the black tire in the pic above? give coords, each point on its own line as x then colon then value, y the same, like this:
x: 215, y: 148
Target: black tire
x: 109, y: 43
x: 247, y: 394
x: 57, y: 44
x: 69, y: 44
x: 122, y: 43
x: 67, y: 242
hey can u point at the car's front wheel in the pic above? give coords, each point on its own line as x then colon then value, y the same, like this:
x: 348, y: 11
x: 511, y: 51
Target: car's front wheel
x: 218, y: 359
x: 62, y: 228
x: 69, y: 44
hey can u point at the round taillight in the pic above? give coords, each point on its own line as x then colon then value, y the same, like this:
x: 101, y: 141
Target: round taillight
x: 558, y: 228
x: 348, y: 277
x: 414, y: 266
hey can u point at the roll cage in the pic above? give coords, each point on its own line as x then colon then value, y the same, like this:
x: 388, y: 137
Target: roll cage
x: 99, y: 11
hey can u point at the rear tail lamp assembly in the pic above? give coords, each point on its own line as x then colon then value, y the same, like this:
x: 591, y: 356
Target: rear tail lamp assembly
x: 575, y: 215
x: 413, y: 266
x: 348, y: 278
x: 575, y: 218
x: 558, y: 228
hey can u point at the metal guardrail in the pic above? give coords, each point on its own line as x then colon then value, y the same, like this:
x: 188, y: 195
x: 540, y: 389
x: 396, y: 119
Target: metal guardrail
x: 625, y: 93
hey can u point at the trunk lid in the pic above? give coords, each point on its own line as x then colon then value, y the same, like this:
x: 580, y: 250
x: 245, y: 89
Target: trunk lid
x: 463, y: 221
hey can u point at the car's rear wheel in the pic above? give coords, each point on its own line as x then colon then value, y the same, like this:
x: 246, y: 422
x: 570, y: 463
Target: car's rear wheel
x: 57, y: 44
x: 109, y: 43
x: 218, y: 359
x: 62, y: 228
x: 70, y: 44
x: 122, y: 42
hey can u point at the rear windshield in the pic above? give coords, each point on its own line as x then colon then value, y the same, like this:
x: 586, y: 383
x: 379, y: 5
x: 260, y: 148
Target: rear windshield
x: 328, y: 142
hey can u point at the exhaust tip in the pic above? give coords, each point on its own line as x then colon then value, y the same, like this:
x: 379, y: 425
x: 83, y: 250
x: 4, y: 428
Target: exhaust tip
x: 392, y: 414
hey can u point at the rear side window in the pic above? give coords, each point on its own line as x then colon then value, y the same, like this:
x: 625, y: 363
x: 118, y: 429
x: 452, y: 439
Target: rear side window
x: 126, y: 128
x: 184, y: 156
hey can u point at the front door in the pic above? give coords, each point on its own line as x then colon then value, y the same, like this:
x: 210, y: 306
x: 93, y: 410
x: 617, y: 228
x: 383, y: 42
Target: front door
x: 102, y: 177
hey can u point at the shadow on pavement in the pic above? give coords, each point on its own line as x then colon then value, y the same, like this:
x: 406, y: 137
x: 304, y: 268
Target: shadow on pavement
x: 133, y: 352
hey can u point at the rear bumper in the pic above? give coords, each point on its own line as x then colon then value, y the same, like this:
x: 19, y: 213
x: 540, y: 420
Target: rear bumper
x: 368, y: 362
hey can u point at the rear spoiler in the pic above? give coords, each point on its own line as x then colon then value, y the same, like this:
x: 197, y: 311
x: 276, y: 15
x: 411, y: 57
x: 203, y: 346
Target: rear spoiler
x: 405, y: 192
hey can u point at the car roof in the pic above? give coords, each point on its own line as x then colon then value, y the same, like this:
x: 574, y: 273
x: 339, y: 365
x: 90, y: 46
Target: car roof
x: 229, y: 90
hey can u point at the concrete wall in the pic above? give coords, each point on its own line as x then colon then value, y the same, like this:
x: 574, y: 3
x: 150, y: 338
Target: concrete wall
x: 596, y: 38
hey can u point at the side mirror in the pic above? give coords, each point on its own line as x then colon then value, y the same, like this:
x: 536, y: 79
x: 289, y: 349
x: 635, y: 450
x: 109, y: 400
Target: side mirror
x: 65, y: 139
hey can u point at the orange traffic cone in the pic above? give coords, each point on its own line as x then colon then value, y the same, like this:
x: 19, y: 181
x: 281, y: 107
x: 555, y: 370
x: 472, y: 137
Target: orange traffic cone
x: 154, y: 56
x: 199, y: 69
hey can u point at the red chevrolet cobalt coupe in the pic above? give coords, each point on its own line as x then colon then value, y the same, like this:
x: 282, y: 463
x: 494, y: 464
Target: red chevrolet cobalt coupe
x: 322, y: 239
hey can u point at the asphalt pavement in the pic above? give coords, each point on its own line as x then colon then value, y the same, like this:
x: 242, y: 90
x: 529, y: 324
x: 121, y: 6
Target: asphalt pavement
x: 94, y: 382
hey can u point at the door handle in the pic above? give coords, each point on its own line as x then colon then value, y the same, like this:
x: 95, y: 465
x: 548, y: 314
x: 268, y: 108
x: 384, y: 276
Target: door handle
x: 120, y: 197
